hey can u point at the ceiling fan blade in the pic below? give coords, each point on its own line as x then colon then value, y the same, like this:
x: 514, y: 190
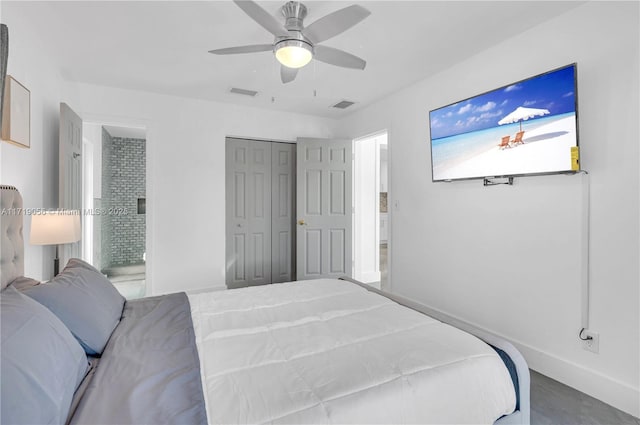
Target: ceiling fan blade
x: 243, y: 49
x: 287, y: 74
x: 335, y: 23
x: 338, y: 57
x: 262, y: 17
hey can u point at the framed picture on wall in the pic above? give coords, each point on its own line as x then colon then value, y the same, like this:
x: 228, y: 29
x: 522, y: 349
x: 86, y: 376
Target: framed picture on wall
x: 16, y: 113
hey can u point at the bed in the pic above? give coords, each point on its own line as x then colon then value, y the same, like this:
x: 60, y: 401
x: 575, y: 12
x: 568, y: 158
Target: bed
x: 324, y: 351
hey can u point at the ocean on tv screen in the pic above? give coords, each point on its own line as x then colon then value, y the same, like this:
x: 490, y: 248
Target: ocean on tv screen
x: 525, y: 128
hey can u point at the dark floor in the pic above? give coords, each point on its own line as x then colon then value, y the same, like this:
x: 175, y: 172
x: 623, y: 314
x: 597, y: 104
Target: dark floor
x: 553, y: 403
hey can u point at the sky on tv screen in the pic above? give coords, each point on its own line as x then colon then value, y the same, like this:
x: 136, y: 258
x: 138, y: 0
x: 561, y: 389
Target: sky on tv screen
x: 553, y: 91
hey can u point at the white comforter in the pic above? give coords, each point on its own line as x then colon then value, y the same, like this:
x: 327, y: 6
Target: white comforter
x: 329, y: 351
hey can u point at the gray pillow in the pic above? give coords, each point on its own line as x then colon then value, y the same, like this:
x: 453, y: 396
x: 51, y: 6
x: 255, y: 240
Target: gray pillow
x: 22, y: 283
x: 85, y: 301
x: 42, y: 364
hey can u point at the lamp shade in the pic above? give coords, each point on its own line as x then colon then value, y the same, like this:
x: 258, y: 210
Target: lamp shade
x: 55, y: 228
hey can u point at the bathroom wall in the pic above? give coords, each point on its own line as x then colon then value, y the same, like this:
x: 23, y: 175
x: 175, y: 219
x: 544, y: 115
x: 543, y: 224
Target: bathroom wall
x: 127, y: 172
x: 123, y: 182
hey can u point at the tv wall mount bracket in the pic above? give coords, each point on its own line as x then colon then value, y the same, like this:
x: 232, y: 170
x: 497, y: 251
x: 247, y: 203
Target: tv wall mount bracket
x: 493, y: 181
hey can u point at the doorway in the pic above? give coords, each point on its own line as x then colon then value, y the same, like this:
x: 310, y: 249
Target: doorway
x: 260, y: 212
x: 114, y: 173
x: 371, y: 214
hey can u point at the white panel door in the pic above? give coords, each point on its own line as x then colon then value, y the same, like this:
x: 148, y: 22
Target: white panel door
x: 324, y: 194
x: 248, y: 204
x: 70, y: 173
x: 283, y: 183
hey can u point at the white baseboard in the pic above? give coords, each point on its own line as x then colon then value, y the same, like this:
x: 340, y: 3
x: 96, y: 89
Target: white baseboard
x: 611, y: 391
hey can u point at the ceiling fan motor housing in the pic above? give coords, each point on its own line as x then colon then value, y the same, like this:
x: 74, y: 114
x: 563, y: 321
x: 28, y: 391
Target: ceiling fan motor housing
x: 294, y: 13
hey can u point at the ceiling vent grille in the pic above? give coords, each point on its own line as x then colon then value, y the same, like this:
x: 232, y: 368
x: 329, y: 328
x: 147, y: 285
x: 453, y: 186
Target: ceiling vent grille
x: 343, y: 105
x: 243, y: 92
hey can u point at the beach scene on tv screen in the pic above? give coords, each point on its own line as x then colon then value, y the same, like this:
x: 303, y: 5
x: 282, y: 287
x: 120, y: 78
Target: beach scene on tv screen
x: 527, y: 127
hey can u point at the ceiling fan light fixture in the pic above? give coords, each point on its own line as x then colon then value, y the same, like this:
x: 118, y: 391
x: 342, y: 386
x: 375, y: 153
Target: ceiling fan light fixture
x: 293, y: 53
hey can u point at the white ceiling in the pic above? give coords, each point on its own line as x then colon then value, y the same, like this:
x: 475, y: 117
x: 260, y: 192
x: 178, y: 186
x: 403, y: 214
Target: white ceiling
x: 163, y: 46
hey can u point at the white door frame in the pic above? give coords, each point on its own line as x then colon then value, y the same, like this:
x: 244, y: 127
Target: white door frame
x: 366, y: 210
x: 87, y: 199
x: 391, y: 202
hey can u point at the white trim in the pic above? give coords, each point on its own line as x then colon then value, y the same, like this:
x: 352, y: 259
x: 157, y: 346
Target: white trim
x: 609, y: 390
x: 87, y: 199
x: 390, y: 210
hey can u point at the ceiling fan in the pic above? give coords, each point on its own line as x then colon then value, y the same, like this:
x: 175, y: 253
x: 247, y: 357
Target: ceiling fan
x: 295, y: 45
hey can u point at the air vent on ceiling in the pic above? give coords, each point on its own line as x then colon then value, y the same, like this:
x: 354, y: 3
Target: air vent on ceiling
x: 343, y: 105
x: 243, y: 92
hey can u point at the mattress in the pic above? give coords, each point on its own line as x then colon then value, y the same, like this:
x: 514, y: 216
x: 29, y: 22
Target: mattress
x: 329, y: 351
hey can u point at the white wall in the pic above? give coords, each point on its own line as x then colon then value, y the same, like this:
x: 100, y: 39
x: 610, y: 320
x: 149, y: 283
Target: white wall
x: 508, y: 258
x: 186, y: 172
x: 27, y: 169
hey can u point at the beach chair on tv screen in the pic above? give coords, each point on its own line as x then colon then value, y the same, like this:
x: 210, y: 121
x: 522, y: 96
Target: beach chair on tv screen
x: 505, y: 142
x: 518, y: 139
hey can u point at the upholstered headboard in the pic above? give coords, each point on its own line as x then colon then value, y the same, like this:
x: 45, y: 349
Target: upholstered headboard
x: 12, y: 250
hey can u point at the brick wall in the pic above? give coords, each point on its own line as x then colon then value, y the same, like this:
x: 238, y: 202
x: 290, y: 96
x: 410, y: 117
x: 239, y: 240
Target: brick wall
x: 125, y: 176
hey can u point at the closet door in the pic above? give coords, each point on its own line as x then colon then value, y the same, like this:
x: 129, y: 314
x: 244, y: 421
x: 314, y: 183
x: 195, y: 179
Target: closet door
x: 283, y: 175
x: 248, y: 205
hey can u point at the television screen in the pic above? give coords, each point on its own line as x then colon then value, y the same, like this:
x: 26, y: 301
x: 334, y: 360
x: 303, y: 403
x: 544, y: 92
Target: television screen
x: 528, y: 127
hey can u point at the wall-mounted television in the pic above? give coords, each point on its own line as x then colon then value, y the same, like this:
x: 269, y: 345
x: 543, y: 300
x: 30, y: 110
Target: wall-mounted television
x: 524, y: 128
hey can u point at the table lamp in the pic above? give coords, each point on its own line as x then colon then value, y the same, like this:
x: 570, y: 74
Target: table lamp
x: 55, y: 228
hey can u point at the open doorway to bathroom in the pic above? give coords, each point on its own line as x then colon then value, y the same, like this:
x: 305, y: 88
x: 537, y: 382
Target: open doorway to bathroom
x: 371, y: 219
x: 114, y: 170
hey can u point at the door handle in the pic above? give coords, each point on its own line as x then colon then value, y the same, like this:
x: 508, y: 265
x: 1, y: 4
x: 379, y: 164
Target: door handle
x: 302, y: 223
